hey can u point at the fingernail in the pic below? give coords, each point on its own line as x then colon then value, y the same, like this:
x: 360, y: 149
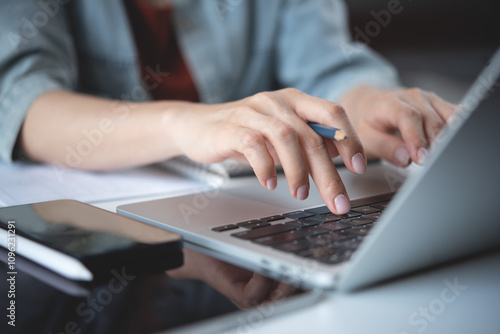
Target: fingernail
x: 303, y: 192
x: 402, y: 156
x: 422, y: 155
x: 272, y: 183
x: 358, y: 163
x: 342, y: 204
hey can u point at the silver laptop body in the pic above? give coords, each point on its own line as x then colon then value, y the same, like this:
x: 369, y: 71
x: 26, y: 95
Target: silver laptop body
x: 443, y: 211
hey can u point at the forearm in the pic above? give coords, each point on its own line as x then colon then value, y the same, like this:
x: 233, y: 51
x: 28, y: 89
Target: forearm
x: 91, y: 133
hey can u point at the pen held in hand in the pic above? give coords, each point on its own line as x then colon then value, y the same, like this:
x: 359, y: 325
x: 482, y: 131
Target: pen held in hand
x: 327, y: 131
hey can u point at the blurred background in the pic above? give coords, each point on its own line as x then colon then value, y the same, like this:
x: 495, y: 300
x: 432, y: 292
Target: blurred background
x: 438, y: 45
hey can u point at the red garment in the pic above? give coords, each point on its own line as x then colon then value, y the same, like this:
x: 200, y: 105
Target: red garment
x: 159, y: 53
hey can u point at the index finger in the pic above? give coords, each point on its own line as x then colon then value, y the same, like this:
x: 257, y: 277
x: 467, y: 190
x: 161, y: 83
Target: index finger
x: 320, y: 164
x: 313, y: 109
x: 443, y: 108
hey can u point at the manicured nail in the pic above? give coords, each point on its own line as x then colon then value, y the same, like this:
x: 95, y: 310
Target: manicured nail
x: 358, y: 163
x: 422, y: 155
x: 303, y: 192
x: 402, y: 156
x: 272, y: 183
x: 342, y: 204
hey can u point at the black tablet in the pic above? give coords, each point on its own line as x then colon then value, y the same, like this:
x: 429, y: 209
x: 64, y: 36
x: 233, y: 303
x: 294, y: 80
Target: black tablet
x: 85, y: 243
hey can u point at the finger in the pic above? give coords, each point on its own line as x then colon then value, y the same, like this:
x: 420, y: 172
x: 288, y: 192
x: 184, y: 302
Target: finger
x: 401, y: 116
x: 443, y: 108
x: 253, y: 146
x: 433, y: 124
x: 332, y: 149
x: 285, y: 142
x: 282, y: 291
x: 317, y: 154
x: 322, y: 169
x: 389, y: 147
x: 331, y: 114
x: 256, y: 291
x: 311, y: 155
x: 431, y: 116
x: 411, y: 127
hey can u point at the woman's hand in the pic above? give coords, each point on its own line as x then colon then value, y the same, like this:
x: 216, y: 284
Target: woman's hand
x: 90, y: 133
x: 398, y: 125
x: 244, y: 288
x: 269, y: 128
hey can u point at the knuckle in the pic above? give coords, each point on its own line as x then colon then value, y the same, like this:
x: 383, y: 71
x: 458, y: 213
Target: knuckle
x: 415, y: 92
x: 436, y: 126
x: 265, y: 98
x: 433, y: 96
x: 334, y: 186
x: 314, y: 142
x: 291, y: 90
x: 335, y: 110
x: 251, y: 141
x: 412, y: 114
x: 283, y: 132
x: 390, y: 95
x: 242, y: 109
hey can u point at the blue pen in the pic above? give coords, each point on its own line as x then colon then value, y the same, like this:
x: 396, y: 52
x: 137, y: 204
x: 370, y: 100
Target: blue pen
x: 328, y: 132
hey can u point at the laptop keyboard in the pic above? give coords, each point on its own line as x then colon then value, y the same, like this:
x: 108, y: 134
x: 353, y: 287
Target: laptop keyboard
x: 314, y: 233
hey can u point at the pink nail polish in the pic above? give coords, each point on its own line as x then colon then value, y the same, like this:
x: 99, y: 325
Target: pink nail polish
x: 342, y: 204
x: 358, y: 163
x: 303, y: 192
x: 402, y: 156
x: 272, y: 183
x: 422, y: 155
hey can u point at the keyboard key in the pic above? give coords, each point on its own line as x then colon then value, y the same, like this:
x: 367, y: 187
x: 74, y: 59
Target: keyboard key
x: 263, y: 231
x: 350, y: 214
x: 298, y: 215
x: 294, y: 246
x: 335, y: 226
x: 313, y: 230
x: 345, y: 242
x: 350, y: 244
x: 272, y: 218
x: 359, y: 231
x: 276, y: 239
x: 321, y: 210
x: 301, y: 223
x: 224, y: 228
x: 324, y: 218
x: 334, y: 236
x: 373, y: 216
x: 380, y: 205
x: 366, y: 209
x: 251, y: 224
x: 356, y: 221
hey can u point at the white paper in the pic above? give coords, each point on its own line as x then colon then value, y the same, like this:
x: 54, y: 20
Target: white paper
x: 24, y: 183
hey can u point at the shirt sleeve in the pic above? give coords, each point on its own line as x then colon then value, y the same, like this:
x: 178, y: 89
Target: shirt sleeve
x: 36, y: 56
x: 316, y: 54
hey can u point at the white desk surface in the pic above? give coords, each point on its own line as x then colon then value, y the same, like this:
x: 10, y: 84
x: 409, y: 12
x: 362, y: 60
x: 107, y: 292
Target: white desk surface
x: 463, y: 297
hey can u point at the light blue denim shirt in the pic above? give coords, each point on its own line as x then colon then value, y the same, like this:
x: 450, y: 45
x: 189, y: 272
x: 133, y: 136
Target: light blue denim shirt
x: 234, y: 48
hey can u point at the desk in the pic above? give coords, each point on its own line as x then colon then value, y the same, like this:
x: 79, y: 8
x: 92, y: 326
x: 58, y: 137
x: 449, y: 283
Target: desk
x: 463, y: 297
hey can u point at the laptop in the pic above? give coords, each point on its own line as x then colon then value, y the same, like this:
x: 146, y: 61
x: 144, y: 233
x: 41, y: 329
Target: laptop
x: 443, y: 211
